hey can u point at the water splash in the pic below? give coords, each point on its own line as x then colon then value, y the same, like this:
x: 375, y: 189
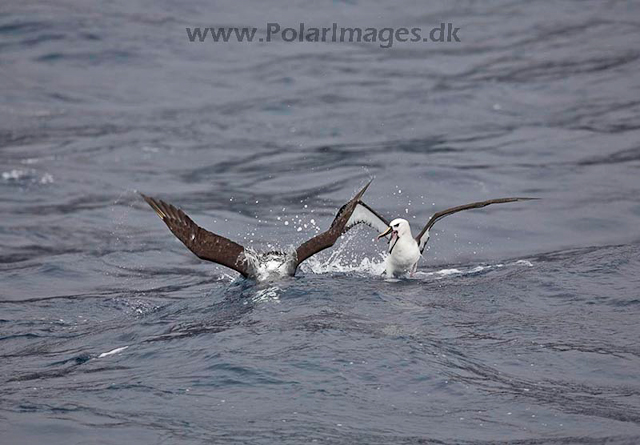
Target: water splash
x: 471, y: 270
x: 270, y: 294
x: 343, y: 259
x: 367, y: 266
x: 19, y: 176
x: 271, y: 265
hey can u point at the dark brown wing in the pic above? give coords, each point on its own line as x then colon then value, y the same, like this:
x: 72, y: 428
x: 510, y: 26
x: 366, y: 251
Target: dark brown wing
x: 328, y: 238
x: 206, y: 245
x: 423, y: 236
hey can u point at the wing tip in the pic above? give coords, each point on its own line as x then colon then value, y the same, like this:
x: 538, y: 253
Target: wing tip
x: 524, y: 198
x: 155, y: 205
x: 359, y: 195
x: 510, y: 199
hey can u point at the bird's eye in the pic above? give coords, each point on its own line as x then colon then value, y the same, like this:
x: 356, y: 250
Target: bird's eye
x: 396, y: 225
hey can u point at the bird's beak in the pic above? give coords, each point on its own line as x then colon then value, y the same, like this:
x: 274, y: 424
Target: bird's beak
x: 385, y: 233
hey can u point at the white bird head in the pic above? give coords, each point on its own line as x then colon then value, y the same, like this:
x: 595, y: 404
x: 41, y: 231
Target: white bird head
x: 397, y: 228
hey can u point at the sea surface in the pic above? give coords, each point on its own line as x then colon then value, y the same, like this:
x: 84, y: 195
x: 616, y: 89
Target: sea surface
x: 521, y: 326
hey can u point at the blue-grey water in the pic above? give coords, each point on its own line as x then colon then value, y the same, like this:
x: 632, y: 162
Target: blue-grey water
x: 521, y: 325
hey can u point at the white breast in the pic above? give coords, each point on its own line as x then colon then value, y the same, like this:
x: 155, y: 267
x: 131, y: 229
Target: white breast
x: 403, y: 257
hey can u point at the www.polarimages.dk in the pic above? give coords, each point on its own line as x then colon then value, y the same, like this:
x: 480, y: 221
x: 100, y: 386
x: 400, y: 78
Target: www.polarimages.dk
x: 386, y: 37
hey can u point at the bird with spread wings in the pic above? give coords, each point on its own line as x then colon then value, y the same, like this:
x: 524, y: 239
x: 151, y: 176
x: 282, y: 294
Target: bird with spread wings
x: 404, y: 249
x: 209, y: 246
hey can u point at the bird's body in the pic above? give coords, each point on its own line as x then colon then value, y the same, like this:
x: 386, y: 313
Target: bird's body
x: 403, y: 251
x: 270, y: 266
x: 254, y: 265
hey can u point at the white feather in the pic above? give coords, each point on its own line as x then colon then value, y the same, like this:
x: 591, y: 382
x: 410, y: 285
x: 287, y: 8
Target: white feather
x: 363, y: 215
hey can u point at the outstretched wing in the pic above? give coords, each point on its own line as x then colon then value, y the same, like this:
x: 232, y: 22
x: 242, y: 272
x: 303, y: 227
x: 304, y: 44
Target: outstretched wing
x: 206, y: 245
x: 423, y: 236
x: 363, y: 214
x: 328, y: 238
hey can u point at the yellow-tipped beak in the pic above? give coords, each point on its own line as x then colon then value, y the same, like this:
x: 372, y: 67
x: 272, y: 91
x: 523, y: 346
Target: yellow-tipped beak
x: 385, y: 233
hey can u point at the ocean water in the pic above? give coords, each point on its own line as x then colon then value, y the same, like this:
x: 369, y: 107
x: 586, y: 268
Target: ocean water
x: 521, y: 325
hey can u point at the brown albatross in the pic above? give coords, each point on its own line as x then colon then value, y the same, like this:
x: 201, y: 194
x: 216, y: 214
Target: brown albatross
x: 258, y: 266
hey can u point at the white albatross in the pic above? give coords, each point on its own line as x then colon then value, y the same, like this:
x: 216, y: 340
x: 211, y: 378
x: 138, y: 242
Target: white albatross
x: 404, y: 249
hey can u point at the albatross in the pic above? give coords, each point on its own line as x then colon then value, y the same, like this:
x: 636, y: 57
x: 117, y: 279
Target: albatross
x: 257, y: 266
x: 404, y: 250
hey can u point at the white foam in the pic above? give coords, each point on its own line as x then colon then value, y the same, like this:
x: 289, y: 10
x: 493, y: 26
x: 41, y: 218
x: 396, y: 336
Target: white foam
x: 443, y: 273
x: 14, y: 175
x: 46, y: 179
x: 524, y: 263
x: 30, y: 174
x: 113, y: 351
x: 268, y: 294
x: 446, y: 272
